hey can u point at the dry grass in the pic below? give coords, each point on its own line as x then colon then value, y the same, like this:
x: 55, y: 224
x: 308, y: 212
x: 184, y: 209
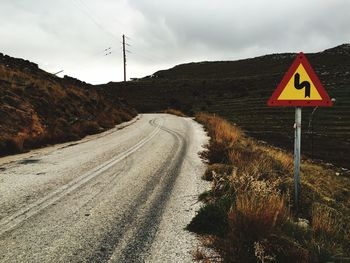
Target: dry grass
x: 257, y: 213
x: 222, y: 140
x: 205, y: 255
x: 326, y: 222
x: 254, y: 182
x: 175, y: 112
x: 199, y: 255
x: 221, y: 132
x: 217, y: 168
x: 84, y: 128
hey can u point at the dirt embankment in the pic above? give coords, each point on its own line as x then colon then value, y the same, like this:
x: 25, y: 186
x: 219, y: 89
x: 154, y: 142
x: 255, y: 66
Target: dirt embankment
x: 38, y: 108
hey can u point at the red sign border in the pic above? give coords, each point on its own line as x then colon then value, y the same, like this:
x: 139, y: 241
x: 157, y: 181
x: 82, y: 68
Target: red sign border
x: 300, y: 59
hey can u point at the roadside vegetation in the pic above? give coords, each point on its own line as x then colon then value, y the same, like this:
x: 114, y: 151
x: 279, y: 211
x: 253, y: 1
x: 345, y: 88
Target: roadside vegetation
x: 175, y: 112
x: 248, y: 214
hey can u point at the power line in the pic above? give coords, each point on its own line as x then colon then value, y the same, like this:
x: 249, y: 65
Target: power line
x: 86, y: 10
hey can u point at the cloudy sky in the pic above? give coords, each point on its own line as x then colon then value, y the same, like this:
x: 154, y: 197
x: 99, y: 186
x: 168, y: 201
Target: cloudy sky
x: 71, y: 35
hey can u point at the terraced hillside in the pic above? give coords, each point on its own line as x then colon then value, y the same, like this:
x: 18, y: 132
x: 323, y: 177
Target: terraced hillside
x: 239, y: 90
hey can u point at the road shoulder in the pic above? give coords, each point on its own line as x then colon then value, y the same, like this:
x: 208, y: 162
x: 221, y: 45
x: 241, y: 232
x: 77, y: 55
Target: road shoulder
x: 172, y: 242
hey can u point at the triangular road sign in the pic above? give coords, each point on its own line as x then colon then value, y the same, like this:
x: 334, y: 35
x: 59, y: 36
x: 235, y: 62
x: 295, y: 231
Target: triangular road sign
x: 300, y: 87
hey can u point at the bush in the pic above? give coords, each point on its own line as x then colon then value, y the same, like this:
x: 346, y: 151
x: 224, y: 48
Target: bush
x: 84, y: 128
x: 256, y: 214
x: 216, y: 168
x: 330, y: 234
x: 212, y: 218
x: 11, y: 145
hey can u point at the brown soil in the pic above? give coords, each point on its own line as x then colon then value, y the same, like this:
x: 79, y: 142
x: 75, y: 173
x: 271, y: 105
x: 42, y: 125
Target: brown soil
x: 38, y: 108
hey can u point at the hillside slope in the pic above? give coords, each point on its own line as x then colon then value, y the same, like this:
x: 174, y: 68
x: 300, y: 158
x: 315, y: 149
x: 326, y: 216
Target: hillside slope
x: 38, y: 108
x: 239, y: 90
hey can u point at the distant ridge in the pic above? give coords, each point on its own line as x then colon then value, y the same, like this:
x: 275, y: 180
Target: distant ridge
x: 343, y: 49
x: 238, y: 91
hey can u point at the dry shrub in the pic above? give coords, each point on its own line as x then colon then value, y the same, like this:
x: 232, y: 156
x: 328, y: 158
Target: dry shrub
x: 240, y: 158
x: 211, y: 219
x: 257, y: 213
x: 261, y: 164
x: 175, y: 112
x: 330, y: 235
x: 199, y: 255
x: 223, y: 137
x: 84, y: 128
x: 38, y: 141
x: 17, y: 143
x: 229, y: 145
x: 105, y: 121
x: 11, y: 145
x: 222, y: 185
x: 217, y: 168
x: 261, y: 252
x: 279, y: 249
x: 308, y: 195
x: 245, y: 160
x: 326, y: 222
x: 61, y: 131
x: 224, y: 133
x: 216, y: 153
x: 221, y: 131
x: 125, y: 116
x: 284, y: 158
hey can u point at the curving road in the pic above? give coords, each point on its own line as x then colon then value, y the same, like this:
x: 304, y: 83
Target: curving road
x: 121, y: 196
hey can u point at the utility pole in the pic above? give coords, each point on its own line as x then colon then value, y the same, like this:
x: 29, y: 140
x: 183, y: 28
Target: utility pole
x: 124, y: 58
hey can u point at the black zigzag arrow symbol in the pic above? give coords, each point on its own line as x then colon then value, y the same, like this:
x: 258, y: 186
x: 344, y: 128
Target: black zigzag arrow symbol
x: 304, y: 84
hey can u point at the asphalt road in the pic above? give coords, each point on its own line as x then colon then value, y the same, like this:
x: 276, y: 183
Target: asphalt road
x: 121, y: 196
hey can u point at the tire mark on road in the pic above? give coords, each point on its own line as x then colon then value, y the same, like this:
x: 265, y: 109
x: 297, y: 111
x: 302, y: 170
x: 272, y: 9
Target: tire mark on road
x: 10, y: 222
x: 137, y: 240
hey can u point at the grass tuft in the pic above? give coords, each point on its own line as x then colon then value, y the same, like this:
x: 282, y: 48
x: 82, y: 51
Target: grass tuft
x: 175, y: 112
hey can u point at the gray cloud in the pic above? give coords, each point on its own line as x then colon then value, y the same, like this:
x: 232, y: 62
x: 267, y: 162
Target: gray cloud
x: 72, y: 34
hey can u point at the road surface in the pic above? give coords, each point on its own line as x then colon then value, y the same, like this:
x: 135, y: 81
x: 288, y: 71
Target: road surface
x: 121, y: 196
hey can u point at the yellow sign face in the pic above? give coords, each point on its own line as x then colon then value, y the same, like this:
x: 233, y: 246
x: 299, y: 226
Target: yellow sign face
x: 300, y: 87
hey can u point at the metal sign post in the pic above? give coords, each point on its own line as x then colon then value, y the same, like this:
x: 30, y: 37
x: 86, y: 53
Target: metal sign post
x: 297, y: 148
x: 300, y: 87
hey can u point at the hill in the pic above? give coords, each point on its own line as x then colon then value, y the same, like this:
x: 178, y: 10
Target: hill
x: 38, y: 108
x: 239, y: 90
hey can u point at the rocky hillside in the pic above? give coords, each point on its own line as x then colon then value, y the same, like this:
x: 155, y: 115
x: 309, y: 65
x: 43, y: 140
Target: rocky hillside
x: 38, y: 108
x: 239, y: 90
